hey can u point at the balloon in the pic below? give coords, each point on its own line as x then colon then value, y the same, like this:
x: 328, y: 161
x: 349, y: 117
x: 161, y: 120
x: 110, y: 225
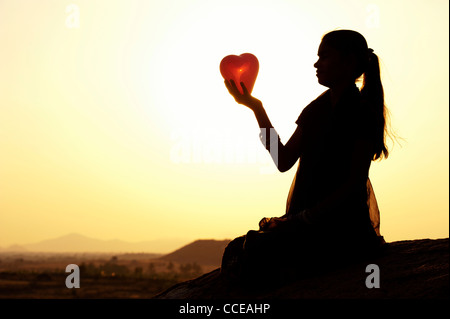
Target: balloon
x: 242, y: 68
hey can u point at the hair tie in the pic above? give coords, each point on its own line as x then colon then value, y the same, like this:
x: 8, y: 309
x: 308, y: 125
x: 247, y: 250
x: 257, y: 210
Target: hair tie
x: 369, y: 54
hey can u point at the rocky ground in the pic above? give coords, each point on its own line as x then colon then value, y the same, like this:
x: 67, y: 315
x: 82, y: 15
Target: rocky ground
x: 413, y: 269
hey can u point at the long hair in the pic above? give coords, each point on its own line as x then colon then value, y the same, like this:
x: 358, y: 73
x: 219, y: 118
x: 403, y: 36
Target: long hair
x: 353, y: 44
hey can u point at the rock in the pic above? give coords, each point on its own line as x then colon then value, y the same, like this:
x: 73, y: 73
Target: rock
x: 408, y: 269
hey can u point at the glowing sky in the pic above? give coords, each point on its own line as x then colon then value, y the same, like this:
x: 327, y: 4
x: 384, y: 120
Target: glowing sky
x: 115, y: 122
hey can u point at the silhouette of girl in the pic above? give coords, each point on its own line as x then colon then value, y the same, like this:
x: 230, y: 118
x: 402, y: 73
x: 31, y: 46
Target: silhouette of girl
x: 331, y: 213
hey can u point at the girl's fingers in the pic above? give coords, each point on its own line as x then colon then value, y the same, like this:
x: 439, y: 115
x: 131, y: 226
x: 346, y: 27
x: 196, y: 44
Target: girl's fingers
x: 234, y: 85
x: 228, y: 85
x: 231, y: 86
x: 244, y: 89
x: 234, y: 91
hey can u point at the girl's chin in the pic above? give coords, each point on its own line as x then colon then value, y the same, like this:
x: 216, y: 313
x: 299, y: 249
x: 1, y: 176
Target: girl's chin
x: 323, y: 82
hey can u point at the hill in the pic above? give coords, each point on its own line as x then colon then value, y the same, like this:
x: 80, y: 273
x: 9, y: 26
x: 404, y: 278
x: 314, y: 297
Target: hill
x: 408, y: 269
x: 202, y: 252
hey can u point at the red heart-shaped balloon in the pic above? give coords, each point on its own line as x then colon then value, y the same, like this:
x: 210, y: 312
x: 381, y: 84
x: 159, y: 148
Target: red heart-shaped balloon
x: 242, y: 68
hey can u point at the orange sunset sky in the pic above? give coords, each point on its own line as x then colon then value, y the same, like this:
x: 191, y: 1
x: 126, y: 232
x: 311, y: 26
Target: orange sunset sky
x: 115, y: 121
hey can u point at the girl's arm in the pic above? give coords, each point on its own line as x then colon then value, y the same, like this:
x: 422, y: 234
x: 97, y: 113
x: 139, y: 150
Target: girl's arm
x: 284, y: 156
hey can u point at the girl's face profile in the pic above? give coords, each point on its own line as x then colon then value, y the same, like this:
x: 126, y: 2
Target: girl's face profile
x: 332, y: 69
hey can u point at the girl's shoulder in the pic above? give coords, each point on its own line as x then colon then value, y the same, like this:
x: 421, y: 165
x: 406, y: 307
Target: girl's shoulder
x: 323, y: 100
x: 315, y: 107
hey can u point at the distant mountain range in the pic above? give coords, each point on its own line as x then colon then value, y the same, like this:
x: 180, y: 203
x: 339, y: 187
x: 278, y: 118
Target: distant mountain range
x: 80, y: 243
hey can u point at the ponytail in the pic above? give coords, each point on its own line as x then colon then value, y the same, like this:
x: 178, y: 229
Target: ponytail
x: 373, y: 96
x: 352, y: 44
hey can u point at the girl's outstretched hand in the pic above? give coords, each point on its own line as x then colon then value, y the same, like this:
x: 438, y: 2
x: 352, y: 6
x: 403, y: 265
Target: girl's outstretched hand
x: 246, y: 99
